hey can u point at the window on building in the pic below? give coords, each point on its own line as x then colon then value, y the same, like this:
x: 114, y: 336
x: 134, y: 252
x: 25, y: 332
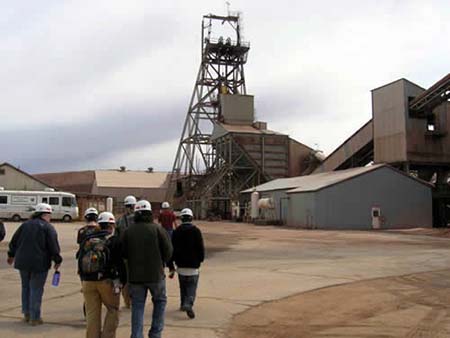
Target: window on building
x: 2, y: 171
x: 3, y: 199
x: 54, y: 201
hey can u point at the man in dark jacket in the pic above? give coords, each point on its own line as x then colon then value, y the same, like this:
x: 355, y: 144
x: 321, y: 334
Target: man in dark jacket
x: 122, y: 224
x: 32, y: 248
x: 147, y: 247
x: 188, y: 254
x: 102, y: 272
x: 2, y: 231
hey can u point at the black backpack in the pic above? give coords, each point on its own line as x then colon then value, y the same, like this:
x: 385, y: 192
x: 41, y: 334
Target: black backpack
x: 94, y: 256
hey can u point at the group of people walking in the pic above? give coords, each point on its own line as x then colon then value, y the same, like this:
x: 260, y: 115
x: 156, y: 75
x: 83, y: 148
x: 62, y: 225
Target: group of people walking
x: 128, y: 256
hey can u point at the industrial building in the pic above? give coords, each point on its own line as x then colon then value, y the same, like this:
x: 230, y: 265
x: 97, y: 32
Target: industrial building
x: 357, y: 198
x: 408, y: 130
x: 223, y: 149
x: 13, y: 178
x: 92, y: 187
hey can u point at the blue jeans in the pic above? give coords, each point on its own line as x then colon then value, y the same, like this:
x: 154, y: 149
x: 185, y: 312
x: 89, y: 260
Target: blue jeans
x: 32, y: 291
x: 188, y: 290
x: 138, y: 294
x: 170, y: 232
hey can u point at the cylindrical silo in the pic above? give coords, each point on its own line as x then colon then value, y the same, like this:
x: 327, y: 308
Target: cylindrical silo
x: 254, y: 211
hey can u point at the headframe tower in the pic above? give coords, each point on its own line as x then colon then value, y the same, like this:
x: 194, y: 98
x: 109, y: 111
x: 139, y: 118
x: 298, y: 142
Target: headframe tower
x: 221, y: 72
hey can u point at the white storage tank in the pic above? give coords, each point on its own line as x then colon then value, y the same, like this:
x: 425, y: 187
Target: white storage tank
x: 265, y: 203
x: 109, y: 204
x: 254, y: 211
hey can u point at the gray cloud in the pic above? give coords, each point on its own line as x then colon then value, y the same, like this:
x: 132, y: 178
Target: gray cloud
x: 85, y: 84
x: 90, y: 142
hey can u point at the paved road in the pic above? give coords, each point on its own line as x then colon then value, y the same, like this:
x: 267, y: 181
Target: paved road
x: 246, y: 266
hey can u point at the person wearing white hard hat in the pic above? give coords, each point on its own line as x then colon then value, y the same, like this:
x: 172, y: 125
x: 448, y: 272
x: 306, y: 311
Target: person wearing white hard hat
x: 127, y: 218
x: 102, y: 272
x: 90, y: 216
x: 32, y: 249
x: 122, y: 224
x: 167, y: 218
x: 146, y: 247
x: 188, y: 254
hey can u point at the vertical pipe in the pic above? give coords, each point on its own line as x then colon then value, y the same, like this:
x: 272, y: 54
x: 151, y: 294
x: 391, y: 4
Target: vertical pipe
x: 263, y: 155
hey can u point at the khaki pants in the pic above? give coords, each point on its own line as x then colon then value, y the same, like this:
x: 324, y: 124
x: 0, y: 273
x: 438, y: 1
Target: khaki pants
x: 95, y: 294
x: 126, y: 296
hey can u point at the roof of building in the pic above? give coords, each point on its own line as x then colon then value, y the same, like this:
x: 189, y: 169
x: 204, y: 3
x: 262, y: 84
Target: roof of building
x: 74, y: 181
x: 222, y: 129
x: 319, y: 181
x: 399, y: 80
x: 25, y: 173
x: 237, y: 128
x: 131, y: 179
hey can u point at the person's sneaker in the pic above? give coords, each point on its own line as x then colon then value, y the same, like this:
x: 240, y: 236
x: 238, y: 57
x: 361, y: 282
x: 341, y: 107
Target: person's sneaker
x: 36, y: 322
x: 190, y: 313
x: 26, y: 318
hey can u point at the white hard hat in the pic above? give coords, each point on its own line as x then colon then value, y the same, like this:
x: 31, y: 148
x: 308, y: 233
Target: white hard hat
x: 129, y: 200
x: 106, y: 217
x: 90, y: 211
x: 165, y: 205
x: 186, y: 212
x: 143, y: 205
x: 44, y: 208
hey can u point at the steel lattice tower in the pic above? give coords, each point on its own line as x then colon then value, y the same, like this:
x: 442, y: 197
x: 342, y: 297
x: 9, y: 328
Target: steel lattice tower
x: 221, y: 71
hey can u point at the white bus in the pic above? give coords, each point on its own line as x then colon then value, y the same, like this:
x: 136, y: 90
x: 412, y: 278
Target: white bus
x: 18, y: 205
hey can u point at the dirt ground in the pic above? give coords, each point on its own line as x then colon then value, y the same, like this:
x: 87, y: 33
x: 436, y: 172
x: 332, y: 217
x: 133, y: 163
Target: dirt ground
x: 416, y: 305
x: 273, y: 282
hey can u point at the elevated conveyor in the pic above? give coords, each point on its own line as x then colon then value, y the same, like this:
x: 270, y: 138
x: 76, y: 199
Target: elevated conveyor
x: 356, y: 151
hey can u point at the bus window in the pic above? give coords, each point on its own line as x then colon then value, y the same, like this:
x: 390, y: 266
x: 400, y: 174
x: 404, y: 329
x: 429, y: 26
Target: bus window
x: 54, y: 201
x: 69, y: 202
x: 3, y: 199
x: 44, y: 199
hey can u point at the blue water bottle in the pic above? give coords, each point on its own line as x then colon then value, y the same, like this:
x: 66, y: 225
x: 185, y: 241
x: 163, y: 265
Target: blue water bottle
x: 56, y: 276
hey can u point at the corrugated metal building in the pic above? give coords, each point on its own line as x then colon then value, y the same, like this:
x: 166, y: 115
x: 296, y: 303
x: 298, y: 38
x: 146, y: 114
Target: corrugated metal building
x: 350, y: 199
x: 12, y: 178
x: 94, y: 186
x: 151, y: 186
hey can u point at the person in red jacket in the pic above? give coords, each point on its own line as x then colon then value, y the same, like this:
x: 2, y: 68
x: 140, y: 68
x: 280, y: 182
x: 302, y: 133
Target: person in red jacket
x: 167, y: 218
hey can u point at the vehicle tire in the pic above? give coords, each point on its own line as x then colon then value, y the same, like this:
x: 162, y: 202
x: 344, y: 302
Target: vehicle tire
x: 67, y: 218
x: 16, y: 218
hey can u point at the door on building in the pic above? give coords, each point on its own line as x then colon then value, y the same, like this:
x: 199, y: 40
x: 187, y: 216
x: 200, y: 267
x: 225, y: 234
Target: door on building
x: 284, y: 205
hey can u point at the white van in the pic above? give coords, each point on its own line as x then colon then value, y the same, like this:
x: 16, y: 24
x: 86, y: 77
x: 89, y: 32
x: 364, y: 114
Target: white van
x: 18, y: 205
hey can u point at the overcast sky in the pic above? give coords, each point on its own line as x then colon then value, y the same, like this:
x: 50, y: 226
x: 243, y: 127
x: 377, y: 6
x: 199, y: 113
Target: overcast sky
x: 100, y: 84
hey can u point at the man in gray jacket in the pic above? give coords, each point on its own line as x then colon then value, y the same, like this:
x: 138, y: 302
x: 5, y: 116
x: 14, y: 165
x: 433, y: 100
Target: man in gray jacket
x: 33, y: 247
x: 147, y: 247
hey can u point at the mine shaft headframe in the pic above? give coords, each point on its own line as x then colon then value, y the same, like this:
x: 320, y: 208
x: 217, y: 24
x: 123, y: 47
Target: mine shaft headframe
x: 231, y: 48
x: 232, y: 20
